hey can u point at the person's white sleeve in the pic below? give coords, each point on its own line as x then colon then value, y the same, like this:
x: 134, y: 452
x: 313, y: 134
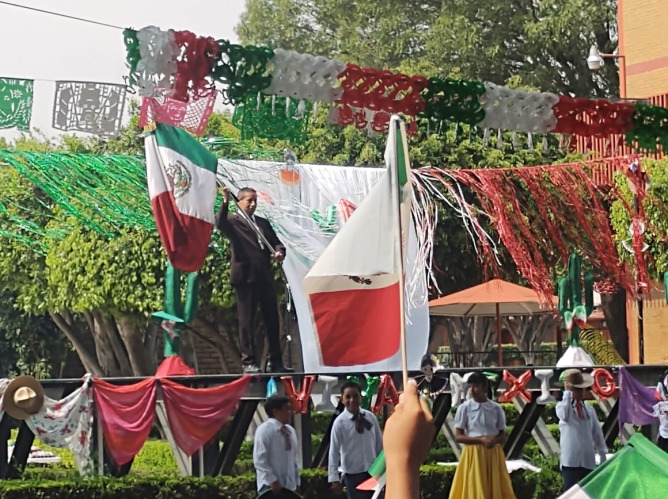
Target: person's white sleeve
x: 501, y: 420
x: 379, y: 436
x: 461, y: 417
x: 261, y: 457
x: 334, y: 455
x: 599, y: 439
x: 564, y: 409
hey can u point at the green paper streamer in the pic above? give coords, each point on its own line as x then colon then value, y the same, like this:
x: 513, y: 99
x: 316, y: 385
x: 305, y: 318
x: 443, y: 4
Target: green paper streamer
x: 453, y: 100
x: 242, y: 69
x: 269, y: 117
x: 132, y: 55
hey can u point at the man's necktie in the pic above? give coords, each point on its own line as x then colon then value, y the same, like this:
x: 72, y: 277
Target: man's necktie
x: 285, y: 431
x: 361, y: 423
x: 579, y: 408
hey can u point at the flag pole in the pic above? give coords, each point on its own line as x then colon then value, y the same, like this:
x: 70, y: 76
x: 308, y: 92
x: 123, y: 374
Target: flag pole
x: 397, y: 124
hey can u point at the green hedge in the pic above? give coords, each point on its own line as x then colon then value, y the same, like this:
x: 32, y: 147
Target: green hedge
x: 435, y: 483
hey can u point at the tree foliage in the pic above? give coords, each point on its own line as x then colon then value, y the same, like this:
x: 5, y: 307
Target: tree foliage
x: 100, y: 291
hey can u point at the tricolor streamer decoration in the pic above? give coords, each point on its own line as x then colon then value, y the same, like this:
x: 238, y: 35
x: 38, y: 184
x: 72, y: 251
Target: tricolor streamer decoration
x: 185, y: 67
x: 568, y: 213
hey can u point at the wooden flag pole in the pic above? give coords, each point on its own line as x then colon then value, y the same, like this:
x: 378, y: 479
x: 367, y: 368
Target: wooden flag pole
x: 397, y: 123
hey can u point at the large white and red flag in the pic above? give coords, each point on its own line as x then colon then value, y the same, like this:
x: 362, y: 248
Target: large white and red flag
x: 353, y: 289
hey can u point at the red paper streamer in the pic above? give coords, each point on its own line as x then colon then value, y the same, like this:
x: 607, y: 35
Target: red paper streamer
x: 194, y: 66
x: 597, y: 118
x: 568, y: 214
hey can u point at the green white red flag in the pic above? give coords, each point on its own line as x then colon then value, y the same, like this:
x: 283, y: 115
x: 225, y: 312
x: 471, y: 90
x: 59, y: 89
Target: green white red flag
x: 181, y: 176
x: 353, y: 288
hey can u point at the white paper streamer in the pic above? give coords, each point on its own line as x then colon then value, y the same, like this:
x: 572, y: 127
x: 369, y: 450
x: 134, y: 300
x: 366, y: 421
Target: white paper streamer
x: 304, y: 76
x: 517, y: 110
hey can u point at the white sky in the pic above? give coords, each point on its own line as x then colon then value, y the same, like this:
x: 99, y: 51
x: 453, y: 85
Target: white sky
x: 39, y: 46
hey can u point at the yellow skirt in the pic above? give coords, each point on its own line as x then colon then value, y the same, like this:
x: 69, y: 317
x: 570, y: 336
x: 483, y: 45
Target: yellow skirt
x: 482, y: 474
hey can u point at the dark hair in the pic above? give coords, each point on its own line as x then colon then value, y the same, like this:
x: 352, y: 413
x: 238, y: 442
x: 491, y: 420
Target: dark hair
x: 275, y: 403
x: 351, y: 384
x: 245, y: 190
x: 477, y: 379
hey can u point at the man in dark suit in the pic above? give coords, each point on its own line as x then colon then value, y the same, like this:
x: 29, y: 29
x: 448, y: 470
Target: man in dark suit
x: 251, y: 275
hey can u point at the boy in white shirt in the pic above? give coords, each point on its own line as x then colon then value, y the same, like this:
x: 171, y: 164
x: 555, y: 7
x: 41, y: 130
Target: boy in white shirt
x: 355, y: 443
x: 661, y: 412
x: 275, y: 451
x: 579, y: 428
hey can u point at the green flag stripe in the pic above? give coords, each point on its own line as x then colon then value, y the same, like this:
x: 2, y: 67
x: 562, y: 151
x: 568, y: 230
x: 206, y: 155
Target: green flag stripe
x: 401, y: 158
x: 182, y: 142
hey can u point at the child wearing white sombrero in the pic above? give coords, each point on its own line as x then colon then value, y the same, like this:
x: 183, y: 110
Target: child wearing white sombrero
x: 579, y: 429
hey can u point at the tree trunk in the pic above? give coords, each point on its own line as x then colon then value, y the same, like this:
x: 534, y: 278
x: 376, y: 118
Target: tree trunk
x: 73, y: 332
x: 529, y: 331
x: 141, y: 358
x: 614, y: 309
x: 106, y: 346
x: 470, y: 339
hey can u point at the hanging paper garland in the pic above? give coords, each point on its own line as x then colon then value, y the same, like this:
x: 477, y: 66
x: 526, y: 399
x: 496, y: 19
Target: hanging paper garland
x: 304, y: 76
x: 272, y: 117
x: 192, y: 116
x: 198, y: 55
x: 457, y: 101
x: 243, y: 70
x: 157, y: 64
x: 597, y: 118
x: 366, y: 97
x: 385, y: 91
x: 511, y: 109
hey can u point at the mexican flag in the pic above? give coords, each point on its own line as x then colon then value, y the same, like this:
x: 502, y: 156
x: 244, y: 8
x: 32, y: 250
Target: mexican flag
x: 639, y: 470
x: 181, y: 175
x: 353, y: 288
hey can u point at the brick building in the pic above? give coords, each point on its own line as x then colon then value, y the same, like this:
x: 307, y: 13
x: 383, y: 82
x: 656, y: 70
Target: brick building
x: 643, y: 67
x: 644, y: 44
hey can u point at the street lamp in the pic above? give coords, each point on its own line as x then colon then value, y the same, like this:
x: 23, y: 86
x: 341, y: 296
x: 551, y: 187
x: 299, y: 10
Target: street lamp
x: 596, y: 59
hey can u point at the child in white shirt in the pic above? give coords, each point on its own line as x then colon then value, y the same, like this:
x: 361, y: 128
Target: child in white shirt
x: 661, y: 412
x: 580, y: 431
x: 480, y: 424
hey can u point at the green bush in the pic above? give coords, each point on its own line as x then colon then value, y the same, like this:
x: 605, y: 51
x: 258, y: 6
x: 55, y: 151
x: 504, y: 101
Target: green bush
x: 435, y: 483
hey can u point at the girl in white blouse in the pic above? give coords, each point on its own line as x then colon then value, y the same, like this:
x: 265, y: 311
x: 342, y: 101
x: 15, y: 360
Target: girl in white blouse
x: 480, y: 425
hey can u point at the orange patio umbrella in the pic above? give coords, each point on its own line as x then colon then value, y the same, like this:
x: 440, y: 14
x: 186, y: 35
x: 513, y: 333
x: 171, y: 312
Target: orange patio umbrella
x: 491, y: 299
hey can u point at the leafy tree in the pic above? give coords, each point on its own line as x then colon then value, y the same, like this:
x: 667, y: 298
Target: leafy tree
x: 100, y: 291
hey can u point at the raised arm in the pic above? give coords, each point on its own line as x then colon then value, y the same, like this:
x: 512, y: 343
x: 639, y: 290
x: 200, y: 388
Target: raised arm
x: 222, y: 223
x: 564, y: 409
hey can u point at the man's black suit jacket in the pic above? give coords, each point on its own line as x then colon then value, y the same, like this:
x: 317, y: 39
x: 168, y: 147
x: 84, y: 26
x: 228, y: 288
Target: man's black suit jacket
x: 251, y: 262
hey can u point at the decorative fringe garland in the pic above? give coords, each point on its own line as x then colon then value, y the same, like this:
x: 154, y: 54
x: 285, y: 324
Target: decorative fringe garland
x: 535, y: 211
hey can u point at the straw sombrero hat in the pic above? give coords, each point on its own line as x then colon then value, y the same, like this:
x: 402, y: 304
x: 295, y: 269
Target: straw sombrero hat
x: 577, y: 378
x: 23, y: 397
